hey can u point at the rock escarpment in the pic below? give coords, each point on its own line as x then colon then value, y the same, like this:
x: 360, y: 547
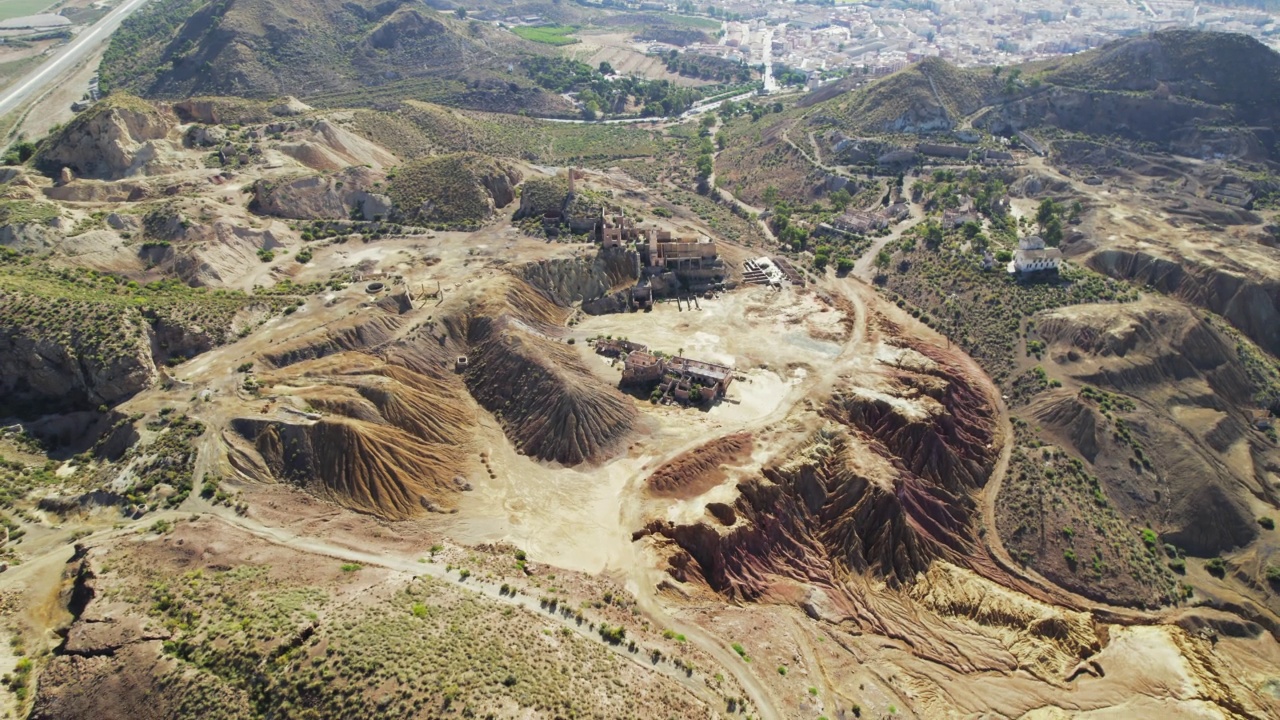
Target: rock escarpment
x: 884, y: 488
x: 114, y: 139
x: 42, y: 373
x: 597, y: 284
x: 324, y: 197
x: 1249, y: 301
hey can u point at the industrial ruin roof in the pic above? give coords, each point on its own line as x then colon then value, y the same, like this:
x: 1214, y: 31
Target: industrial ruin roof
x: 707, y: 369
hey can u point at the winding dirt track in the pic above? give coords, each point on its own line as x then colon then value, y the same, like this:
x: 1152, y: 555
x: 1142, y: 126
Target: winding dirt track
x: 1048, y: 590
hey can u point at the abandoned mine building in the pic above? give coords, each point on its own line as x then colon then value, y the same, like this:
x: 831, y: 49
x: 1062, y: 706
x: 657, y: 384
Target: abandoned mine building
x: 695, y: 262
x: 676, y: 379
x: 618, y: 348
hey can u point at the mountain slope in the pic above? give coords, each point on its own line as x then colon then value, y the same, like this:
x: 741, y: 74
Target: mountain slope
x: 1201, y: 66
x: 1184, y: 90
x: 269, y: 48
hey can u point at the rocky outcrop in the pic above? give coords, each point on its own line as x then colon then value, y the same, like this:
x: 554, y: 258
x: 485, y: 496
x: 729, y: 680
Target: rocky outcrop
x: 290, y: 106
x: 222, y: 111
x: 1035, y: 185
x: 109, y: 355
x: 326, y: 146
x: 40, y: 373
x: 594, y: 283
x: 114, y: 139
x: 207, y: 255
x: 542, y: 195
x: 29, y: 237
x: 323, y: 197
x: 454, y: 189
x: 206, y: 136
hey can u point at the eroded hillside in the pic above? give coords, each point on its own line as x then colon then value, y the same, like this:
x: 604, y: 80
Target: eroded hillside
x: 332, y: 412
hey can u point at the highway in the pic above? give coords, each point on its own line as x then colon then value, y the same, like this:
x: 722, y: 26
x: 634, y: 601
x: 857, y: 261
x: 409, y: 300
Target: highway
x: 65, y: 58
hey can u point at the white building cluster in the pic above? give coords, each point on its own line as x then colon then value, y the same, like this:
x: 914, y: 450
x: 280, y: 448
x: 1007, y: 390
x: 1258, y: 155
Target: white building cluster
x: 879, y: 38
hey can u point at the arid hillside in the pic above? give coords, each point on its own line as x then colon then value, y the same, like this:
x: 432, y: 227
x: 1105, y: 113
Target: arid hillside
x: 952, y: 393
x: 264, y: 49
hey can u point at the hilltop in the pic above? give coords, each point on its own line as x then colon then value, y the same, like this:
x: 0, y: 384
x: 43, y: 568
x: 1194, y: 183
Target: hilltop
x: 1180, y: 89
x: 1207, y: 67
x: 269, y: 48
x: 932, y: 95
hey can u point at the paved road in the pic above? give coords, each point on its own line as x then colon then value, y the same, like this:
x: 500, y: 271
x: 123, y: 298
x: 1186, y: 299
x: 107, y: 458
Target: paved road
x: 766, y: 54
x: 66, y: 57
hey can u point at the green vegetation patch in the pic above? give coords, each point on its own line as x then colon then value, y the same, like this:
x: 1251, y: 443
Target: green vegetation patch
x: 547, y: 34
x: 134, y: 58
x: 10, y: 9
x: 248, y: 645
x: 938, y: 276
x: 1057, y: 518
x: 910, y: 93
x: 445, y: 188
x: 427, y: 126
x: 167, y: 461
x: 18, y: 478
x: 541, y: 195
x: 22, y: 212
x: 603, y: 95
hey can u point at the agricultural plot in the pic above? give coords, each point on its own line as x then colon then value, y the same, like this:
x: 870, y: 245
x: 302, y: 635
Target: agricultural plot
x: 547, y: 34
x: 10, y: 9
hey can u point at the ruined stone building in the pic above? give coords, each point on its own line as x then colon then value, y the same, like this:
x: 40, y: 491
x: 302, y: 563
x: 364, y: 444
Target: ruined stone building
x: 678, y: 379
x: 641, y: 368
x: 618, y: 348
x: 694, y: 261
x: 690, y: 260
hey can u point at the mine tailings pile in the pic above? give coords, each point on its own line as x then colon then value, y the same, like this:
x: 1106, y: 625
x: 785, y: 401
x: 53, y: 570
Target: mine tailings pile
x: 395, y: 425
x: 885, y: 486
